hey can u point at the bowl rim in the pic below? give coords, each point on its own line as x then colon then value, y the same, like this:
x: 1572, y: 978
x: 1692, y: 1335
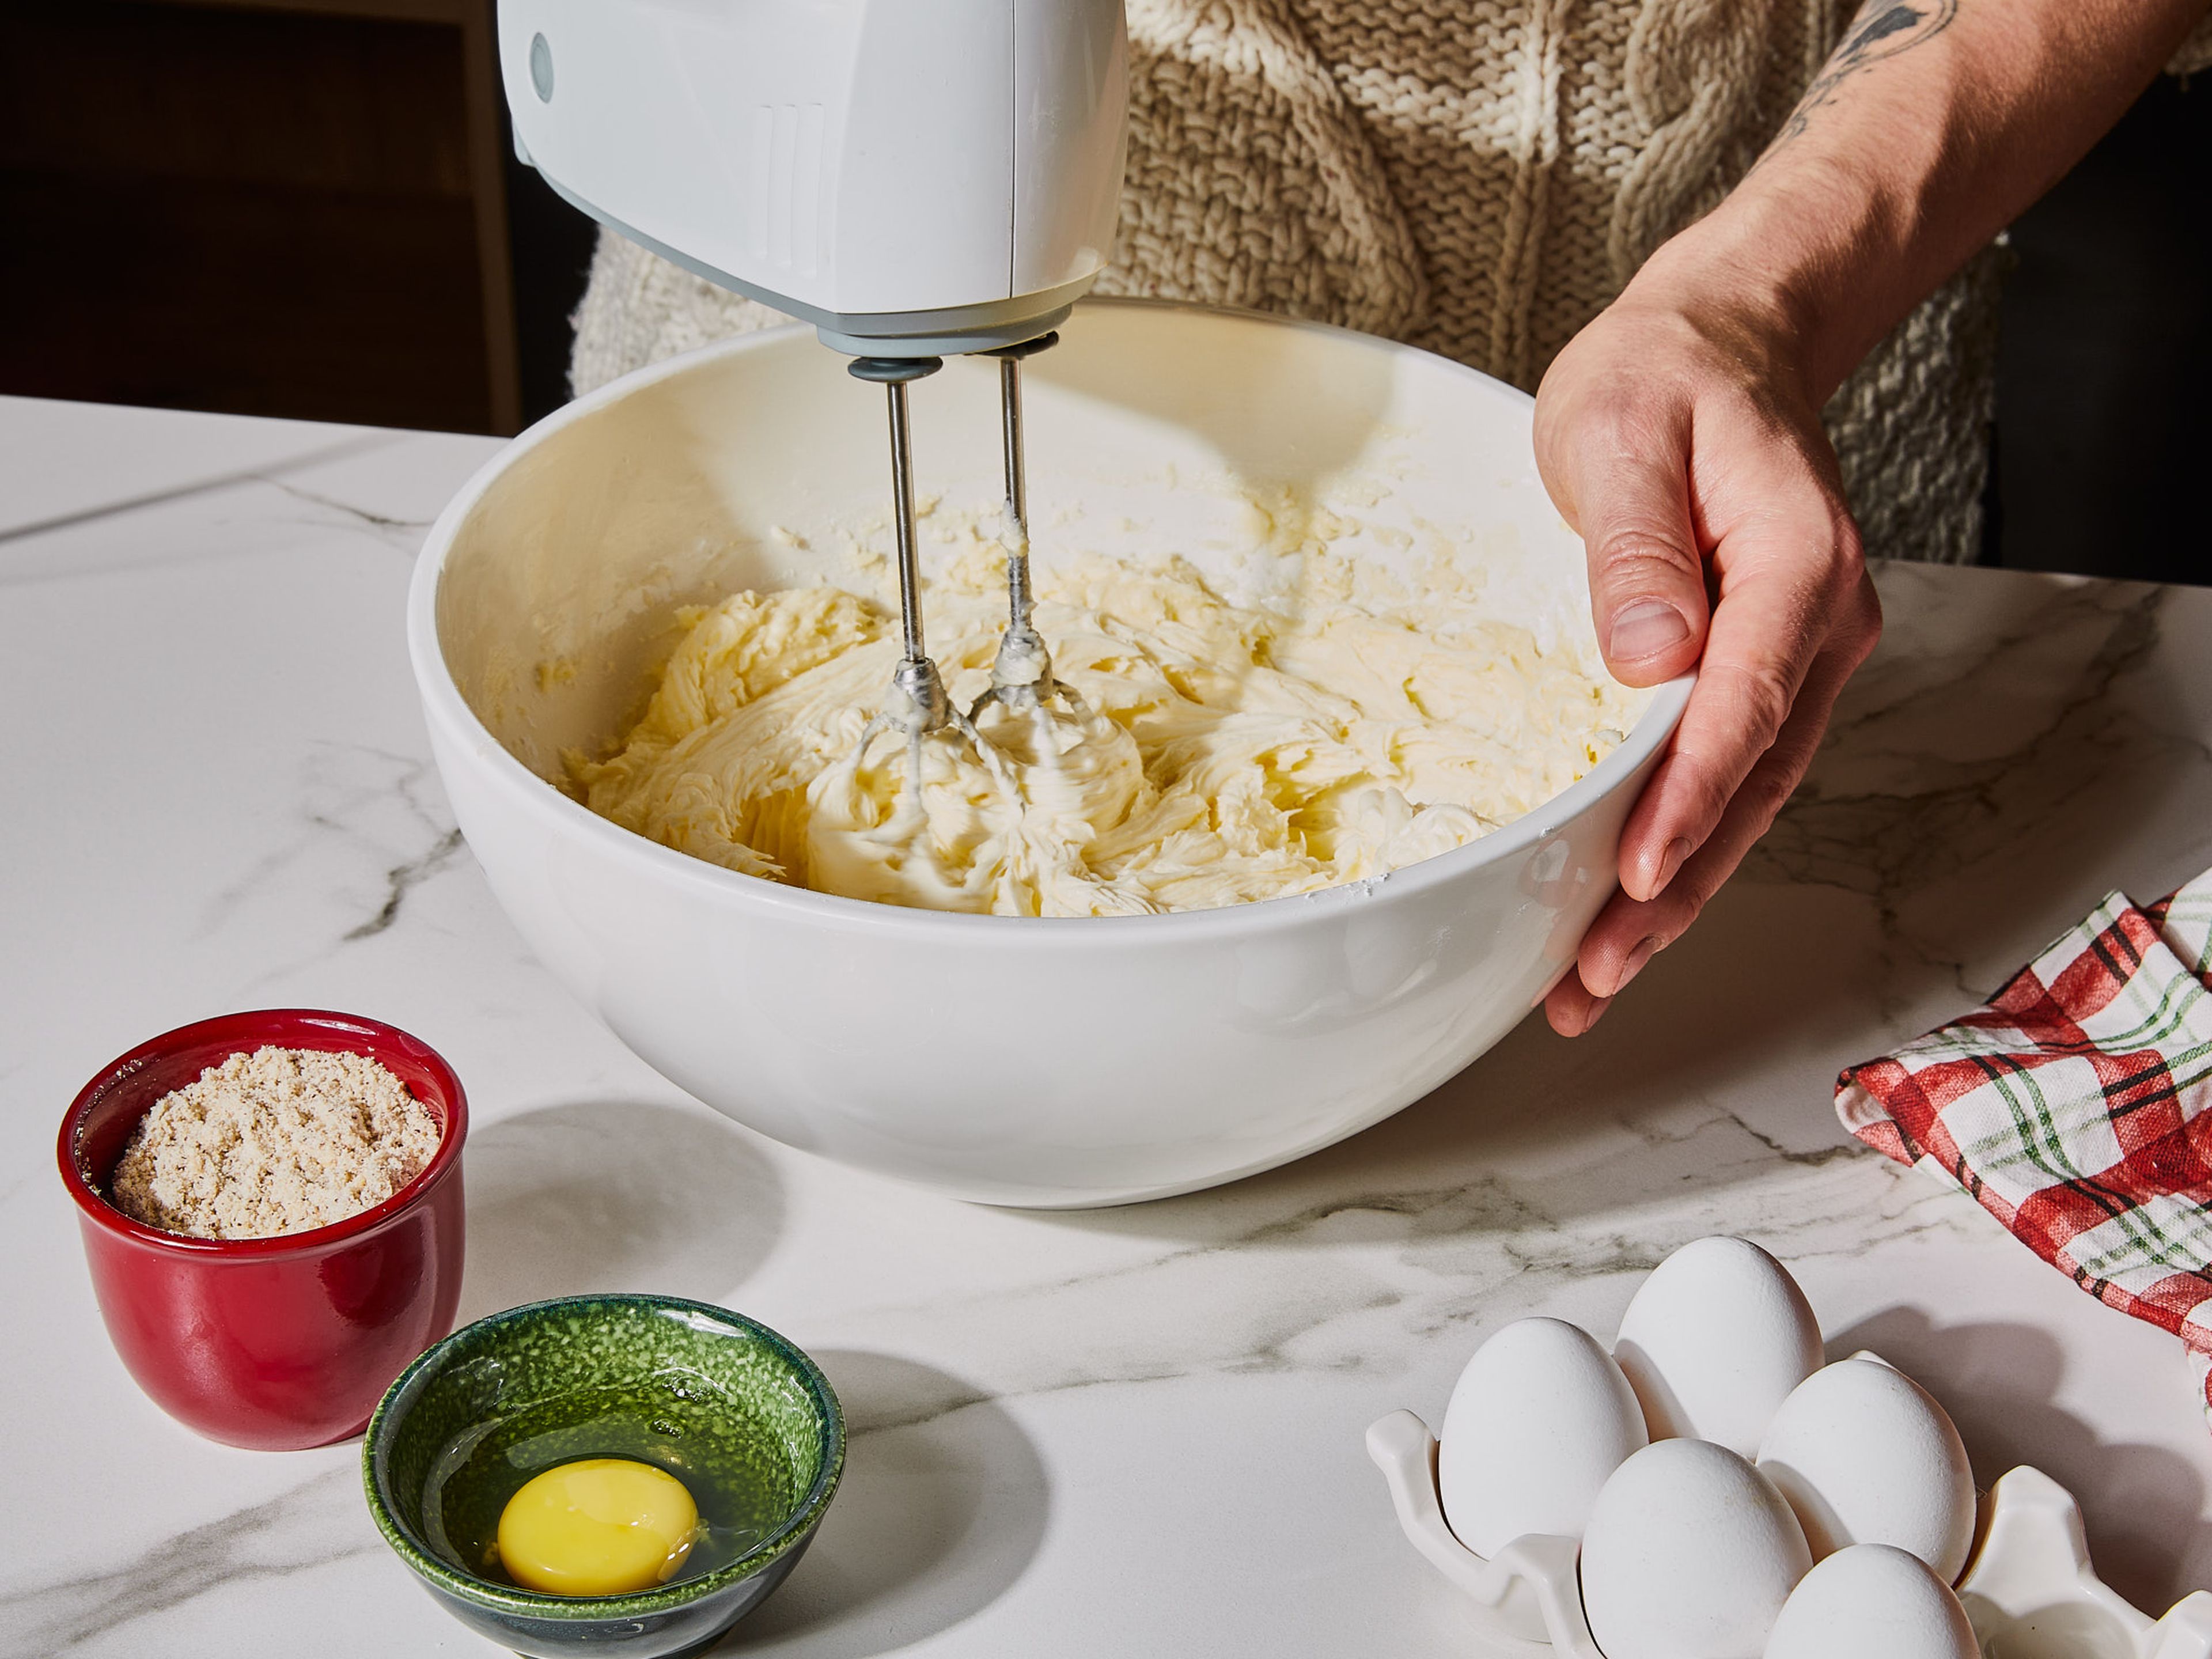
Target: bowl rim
x: 444, y: 706
x: 513, y: 1599
x: 248, y: 1029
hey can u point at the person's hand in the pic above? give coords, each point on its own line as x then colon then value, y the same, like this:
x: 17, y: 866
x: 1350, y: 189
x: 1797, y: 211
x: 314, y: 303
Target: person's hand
x: 1679, y: 441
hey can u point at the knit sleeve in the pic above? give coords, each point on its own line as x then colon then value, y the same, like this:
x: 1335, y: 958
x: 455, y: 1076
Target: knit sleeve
x: 2195, y: 51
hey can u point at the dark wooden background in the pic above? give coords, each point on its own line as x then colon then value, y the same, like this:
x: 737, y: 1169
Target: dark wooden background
x: 311, y: 208
x: 2103, y: 439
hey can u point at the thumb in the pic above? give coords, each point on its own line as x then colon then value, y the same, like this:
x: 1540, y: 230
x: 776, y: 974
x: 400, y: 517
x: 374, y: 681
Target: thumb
x: 1628, y: 493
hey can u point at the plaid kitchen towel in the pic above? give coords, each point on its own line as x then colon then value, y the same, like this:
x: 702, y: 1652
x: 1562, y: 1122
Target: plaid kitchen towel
x: 2076, y: 1107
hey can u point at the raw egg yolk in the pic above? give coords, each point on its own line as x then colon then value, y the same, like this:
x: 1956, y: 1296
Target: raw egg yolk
x: 602, y: 1526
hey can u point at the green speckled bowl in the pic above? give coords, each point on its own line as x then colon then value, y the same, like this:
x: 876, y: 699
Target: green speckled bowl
x: 547, y: 1374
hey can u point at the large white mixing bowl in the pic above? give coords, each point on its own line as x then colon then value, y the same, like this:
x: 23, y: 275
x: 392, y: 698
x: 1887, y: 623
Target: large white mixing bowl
x: 1051, y: 1063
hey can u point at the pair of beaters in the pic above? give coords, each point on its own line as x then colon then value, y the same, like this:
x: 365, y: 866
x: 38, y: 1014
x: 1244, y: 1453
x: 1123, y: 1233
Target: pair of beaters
x: 915, y: 180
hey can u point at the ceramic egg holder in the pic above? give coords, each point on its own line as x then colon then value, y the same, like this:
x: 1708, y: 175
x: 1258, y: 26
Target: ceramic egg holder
x: 2029, y: 1580
x: 2028, y: 1588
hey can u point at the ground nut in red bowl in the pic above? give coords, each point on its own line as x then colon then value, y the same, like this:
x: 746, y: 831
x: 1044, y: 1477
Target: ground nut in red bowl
x: 281, y: 1342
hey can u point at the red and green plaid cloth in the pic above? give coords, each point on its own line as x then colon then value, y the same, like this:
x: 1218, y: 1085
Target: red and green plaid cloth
x: 2076, y: 1107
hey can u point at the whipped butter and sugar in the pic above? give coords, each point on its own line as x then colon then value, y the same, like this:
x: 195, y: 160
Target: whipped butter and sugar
x: 1325, y: 733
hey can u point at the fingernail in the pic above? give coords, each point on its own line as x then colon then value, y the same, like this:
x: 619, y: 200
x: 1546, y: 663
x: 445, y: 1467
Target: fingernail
x: 1596, y: 1012
x: 1630, y: 969
x: 1670, y: 862
x: 1645, y: 628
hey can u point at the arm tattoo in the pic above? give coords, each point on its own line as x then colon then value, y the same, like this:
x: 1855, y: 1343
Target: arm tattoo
x: 1883, y: 28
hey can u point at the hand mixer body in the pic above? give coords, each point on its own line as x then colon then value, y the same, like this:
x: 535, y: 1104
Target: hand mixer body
x: 915, y: 178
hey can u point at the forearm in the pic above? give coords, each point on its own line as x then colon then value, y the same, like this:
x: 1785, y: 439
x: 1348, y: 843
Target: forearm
x: 1933, y: 125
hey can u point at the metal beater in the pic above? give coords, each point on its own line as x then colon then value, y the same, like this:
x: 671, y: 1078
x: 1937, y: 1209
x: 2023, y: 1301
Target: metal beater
x: 1021, y: 674
x: 916, y: 703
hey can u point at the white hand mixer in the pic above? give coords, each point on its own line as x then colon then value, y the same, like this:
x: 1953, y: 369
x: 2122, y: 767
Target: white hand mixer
x: 915, y: 178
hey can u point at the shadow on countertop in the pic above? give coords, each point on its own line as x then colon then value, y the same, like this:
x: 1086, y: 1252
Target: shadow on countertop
x: 944, y: 1504
x: 614, y: 1195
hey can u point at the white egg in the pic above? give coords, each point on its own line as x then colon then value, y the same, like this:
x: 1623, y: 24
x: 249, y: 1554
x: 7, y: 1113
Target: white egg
x: 1540, y: 1418
x: 1689, y: 1554
x: 1713, y: 1341
x: 1865, y: 1455
x: 1870, y: 1602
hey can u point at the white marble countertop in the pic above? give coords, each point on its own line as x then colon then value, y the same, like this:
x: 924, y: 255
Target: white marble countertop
x: 1135, y: 1431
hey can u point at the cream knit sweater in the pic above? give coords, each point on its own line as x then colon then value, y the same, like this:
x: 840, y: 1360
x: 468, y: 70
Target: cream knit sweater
x: 1477, y: 177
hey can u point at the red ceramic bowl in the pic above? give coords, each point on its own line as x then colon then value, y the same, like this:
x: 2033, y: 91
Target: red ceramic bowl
x: 271, y: 1343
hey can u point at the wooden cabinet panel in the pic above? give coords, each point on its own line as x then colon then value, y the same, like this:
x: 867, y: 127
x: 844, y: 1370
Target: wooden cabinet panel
x: 282, y: 210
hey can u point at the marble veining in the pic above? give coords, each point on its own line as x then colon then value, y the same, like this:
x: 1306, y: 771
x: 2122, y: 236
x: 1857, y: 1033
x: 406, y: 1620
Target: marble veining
x: 311, y: 1526
x: 1134, y: 1430
x: 1887, y: 817
x: 403, y: 535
